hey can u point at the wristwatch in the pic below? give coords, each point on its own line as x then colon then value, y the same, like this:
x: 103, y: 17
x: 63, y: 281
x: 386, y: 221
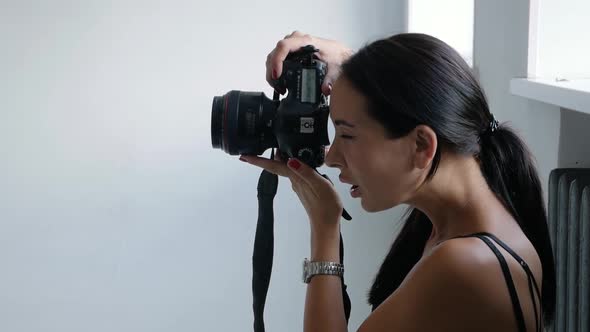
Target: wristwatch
x: 310, y: 269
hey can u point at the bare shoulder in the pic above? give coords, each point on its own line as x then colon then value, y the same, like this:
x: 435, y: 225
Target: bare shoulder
x: 455, y: 286
x: 461, y: 257
x: 464, y: 269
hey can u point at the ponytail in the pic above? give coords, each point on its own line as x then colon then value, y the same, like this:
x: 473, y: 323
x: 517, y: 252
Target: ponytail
x: 509, y: 170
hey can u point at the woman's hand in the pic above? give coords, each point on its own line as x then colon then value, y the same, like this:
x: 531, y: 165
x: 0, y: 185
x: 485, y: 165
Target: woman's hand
x: 320, y: 200
x: 331, y: 52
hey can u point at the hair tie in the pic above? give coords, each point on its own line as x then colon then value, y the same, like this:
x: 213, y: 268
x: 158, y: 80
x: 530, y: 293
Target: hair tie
x: 492, y: 127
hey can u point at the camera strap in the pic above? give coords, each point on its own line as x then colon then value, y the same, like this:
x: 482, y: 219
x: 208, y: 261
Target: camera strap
x: 262, y: 256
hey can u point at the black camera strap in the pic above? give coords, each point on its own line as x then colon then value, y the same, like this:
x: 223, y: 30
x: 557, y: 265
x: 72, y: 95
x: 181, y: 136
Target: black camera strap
x: 262, y: 256
x: 263, y: 246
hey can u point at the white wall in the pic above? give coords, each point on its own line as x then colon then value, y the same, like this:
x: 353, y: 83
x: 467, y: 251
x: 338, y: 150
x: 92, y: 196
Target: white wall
x: 115, y: 212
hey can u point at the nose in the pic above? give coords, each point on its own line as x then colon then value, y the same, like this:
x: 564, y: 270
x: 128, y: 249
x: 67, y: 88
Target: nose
x: 333, y: 157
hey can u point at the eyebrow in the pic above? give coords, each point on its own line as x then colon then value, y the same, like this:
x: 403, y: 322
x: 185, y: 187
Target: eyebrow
x: 343, y: 123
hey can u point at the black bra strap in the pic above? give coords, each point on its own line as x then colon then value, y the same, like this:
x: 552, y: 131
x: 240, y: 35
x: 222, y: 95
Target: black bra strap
x: 509, y: 283
x: 518, y: 259
x: 532, y: 282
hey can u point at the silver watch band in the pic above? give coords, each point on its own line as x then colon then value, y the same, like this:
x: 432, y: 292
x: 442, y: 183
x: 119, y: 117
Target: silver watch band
x: 311, y: 269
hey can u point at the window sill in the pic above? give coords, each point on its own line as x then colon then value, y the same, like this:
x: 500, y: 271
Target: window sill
x: 574, y: 94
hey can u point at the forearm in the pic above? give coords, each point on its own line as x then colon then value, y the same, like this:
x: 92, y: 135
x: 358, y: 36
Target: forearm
x: 324, y: 308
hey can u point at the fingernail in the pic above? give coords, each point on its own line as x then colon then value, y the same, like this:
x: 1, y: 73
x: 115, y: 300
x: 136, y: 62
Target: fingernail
x: 274, y: 74
x: 294, y: 163
x: 243, y: 159
x: 330, y: 87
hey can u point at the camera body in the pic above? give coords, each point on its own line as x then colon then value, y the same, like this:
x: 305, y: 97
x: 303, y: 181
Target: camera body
x: 251, y: 123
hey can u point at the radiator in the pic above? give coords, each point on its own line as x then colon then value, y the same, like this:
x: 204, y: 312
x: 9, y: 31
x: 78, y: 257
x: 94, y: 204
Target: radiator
x: 569, y: 228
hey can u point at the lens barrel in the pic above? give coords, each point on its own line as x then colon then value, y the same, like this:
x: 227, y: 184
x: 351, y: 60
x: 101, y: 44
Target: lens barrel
x: 242, y: 122
x: 217, y: 122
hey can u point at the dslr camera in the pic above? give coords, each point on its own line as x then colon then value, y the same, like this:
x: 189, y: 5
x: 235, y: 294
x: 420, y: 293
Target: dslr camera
x: 250, y: 123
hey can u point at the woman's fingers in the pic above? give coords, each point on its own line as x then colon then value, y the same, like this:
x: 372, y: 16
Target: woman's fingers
x: 274, y: 166
x: 308, y: 175
x: 330, y: 51
x: 331, y: 76
x: 278, y: 167
x: 297, y: 171
x: 274, y: 60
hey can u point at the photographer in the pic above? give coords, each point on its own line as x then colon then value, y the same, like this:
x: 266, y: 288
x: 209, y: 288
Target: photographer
x: 413, y: 127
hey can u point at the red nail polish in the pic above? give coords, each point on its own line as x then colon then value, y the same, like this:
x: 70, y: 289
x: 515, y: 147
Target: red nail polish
x: 294, y: 163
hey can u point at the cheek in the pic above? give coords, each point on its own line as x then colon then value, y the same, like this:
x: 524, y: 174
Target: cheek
x: 389, y: 181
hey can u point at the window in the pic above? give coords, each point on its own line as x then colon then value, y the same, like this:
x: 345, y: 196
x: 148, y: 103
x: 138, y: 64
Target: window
x: 558, y: 69
x: 559, y: 39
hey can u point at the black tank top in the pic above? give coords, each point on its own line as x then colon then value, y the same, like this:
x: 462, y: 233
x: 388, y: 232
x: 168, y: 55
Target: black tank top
x: 533, y: 287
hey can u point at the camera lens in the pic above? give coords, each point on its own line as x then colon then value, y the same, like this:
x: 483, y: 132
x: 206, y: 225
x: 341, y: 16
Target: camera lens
x: 242, y: 122
x: 217, y: 122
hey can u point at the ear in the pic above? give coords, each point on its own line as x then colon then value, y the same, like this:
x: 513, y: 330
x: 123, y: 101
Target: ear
x: 425, y: 144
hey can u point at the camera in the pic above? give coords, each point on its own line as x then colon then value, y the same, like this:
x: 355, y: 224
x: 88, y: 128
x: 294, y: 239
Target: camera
x: 250, y: 123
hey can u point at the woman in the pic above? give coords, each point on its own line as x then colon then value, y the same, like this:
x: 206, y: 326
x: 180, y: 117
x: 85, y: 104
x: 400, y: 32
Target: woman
x: 413, y: 127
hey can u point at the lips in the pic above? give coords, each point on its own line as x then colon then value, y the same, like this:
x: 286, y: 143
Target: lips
x: 354, y: 189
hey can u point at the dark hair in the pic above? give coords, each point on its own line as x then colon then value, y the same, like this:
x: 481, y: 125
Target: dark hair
x: 412, y: 79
